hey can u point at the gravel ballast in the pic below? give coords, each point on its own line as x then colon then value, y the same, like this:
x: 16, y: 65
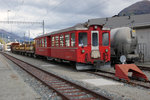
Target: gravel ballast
x: 119, y: 92
x: 44, y: 92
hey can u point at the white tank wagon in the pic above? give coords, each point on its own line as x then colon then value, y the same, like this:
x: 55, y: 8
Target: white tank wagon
x: 123, y: 42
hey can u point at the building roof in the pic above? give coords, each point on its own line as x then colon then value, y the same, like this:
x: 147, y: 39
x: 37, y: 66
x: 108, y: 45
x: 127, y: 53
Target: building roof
x: 135, y: 21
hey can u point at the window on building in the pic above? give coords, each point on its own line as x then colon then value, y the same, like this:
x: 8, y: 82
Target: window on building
x: 82, y: 39
x: 61, y: 40
x: 67, y: 40
x: 105, y: 39
x: 52, y: 40
x: 45, y: 42
x: 72, y: 39
x: 56, y: 41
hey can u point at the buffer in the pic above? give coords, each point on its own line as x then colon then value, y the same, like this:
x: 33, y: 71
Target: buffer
x: 123, y: 69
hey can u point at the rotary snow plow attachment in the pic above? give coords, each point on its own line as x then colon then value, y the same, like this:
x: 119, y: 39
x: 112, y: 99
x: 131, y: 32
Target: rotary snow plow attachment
x: 123, y: 69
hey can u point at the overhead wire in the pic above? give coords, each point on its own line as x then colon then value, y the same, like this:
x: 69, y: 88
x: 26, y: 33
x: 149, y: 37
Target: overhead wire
x: 90, y: 9
x: 20, y: 6
x: 51, y: 10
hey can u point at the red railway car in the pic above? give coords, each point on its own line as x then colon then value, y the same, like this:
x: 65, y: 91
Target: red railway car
x: 85, y: 45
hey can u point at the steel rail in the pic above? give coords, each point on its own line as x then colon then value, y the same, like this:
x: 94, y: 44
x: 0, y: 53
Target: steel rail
x: 57, y: 83
x: 144, y: 68
x: 112, y: 76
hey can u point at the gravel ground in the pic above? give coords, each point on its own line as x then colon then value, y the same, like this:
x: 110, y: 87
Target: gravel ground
x: 42, y: 90
x: 147, y: 73
x: 119, y: 92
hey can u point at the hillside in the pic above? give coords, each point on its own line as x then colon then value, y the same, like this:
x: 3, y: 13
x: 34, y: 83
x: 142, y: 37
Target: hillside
x: 142, y: 7
x: 7, y: 36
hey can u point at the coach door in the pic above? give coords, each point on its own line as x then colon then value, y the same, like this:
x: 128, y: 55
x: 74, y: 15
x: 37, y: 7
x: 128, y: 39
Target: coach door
x: 95, y: 44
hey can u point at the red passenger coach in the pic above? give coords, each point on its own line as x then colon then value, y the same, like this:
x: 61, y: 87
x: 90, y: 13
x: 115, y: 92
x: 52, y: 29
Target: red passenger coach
x: 87, y: 46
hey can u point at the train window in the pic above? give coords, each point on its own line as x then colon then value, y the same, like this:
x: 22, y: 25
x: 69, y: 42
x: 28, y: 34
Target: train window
x: 95, y: 39
x: 39, y: 43
x: 56, y: 41
x: 45, y: 42
x: 42, y: 42
x: 61, y: 40
x: 36, y: 43
x: 67, y: 40
x: 52, y: 40
x: 82, y: 39
x: 8, y: 46
x: 105, y: 39
x: 72, y: 39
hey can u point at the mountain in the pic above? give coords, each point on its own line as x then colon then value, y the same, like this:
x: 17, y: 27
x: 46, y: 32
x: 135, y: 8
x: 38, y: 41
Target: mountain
x: 142, y: 7
x: 11, y: 37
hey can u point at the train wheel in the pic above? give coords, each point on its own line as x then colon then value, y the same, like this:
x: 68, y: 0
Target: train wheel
x: 31, y: 55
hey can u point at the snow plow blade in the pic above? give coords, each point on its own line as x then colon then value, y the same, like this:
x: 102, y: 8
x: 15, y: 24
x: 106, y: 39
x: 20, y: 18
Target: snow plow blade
x: 123, y: 69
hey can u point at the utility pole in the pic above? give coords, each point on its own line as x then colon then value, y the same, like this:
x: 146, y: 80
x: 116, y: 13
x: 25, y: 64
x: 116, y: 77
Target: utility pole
x: 43, y: 27
x: 24, y: 38
x: 22, y: 22
x: 8, y: 15
x: 29, y: 36
x: 2, y: 37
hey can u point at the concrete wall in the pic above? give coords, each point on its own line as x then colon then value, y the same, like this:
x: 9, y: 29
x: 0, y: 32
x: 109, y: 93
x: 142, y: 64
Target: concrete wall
x: 144, y: 39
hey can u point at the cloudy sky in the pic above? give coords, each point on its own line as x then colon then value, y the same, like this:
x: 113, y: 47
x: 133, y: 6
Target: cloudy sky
x: 57, y: 14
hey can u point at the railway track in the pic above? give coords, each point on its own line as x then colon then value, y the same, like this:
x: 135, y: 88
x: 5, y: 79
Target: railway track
x: 144, y: 68
x: 64, y: 88
x: 133, y: 82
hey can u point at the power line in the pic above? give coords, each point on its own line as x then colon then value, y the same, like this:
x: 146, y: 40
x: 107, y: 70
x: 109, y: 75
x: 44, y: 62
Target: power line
x: 52, y: 9
x: 20, y: 22
x: 24, y: 22
x: 22, y: 3
x: 90, y: 10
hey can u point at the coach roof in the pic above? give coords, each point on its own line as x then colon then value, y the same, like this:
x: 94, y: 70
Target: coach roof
x: 76, y: 27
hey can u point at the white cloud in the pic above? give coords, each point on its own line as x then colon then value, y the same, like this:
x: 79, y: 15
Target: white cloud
x: 56, y: 13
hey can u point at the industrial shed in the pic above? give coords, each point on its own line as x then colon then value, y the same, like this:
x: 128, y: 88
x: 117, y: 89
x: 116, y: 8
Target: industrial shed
x: 141, y: 24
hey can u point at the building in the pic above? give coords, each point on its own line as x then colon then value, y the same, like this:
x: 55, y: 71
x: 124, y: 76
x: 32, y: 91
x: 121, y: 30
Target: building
x: 141, y: 24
